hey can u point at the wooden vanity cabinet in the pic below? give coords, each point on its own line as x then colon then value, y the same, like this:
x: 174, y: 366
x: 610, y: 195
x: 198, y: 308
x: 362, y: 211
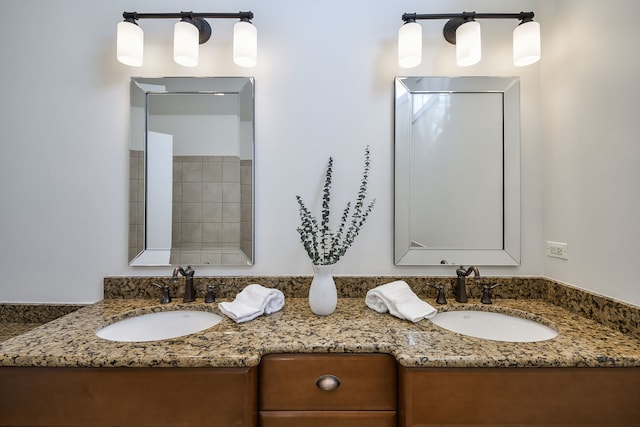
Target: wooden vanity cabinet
x: 363, y: 390
x: 519, y: 397
x: 128, y: 397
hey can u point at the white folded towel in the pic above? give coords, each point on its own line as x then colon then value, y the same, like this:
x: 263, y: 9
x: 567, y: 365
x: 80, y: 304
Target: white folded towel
x: 398, y: 299
x: 253, y: 301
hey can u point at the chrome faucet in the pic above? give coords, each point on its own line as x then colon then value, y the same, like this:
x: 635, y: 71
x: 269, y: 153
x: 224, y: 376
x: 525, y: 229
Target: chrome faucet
x: 461, y: 288
x: 189, y: 289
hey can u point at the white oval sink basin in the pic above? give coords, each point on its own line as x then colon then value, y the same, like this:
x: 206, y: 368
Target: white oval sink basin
x: 493, y: 326
x: 159, y: 326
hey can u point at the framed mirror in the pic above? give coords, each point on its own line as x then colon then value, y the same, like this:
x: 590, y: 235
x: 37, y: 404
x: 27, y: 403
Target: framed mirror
x: 191, y: 151
x: 457, y: 171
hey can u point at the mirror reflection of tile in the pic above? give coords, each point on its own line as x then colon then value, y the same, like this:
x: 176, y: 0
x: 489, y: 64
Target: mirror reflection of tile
x: 212, y: 208
x: 136, y: 202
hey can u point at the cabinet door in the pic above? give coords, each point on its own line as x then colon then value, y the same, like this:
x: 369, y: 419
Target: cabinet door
x: 519, y: 396
x: 367, y: 382
x: 327, y: 418
x: 185, y: 397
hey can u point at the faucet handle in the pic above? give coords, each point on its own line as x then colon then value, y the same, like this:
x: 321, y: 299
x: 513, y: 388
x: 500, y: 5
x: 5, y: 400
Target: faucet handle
x: 486, y: 293
x: 210, y: 296
x: 166, y: 297
x: 441, y: 298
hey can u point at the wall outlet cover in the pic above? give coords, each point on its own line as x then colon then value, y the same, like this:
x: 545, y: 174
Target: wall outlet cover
x: 557, y: 250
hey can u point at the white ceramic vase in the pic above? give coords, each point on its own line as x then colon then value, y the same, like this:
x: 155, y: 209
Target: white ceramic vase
x: 323, y: 296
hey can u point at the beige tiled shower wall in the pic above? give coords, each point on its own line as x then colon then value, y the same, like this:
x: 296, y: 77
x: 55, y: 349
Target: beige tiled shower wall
x: 246, y: 207
x: 206, y: 202
x: 212, y: 209
x: 136, y: 202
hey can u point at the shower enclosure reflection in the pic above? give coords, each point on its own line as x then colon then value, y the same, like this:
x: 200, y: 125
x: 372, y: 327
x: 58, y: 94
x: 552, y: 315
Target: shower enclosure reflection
x: 192, y: 155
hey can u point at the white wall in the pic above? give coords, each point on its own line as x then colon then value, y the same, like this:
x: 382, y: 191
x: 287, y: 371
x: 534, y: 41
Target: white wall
x: 591, y: 115
x: 200, y: 135
x: 324, y: 86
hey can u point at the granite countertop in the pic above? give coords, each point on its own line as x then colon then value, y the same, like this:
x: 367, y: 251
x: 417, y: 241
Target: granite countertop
x: 16, y: 319
x: 13, y: 329
x: 70, y: 341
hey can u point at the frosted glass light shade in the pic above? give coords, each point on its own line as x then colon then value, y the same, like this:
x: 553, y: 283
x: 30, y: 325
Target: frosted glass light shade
x: 129, y: 44
x: 245, y: 44
x: 410, y: 45
x: 185, y: 44
x: 468, y: 44
x: 526, y: 44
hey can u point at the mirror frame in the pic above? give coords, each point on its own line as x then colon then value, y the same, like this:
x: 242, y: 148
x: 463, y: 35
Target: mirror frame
x: 140, y: 89
x: 509, y: 255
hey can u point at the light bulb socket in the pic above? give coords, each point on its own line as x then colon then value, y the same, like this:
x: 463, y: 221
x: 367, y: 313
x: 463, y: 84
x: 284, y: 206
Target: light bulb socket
x: 525, y: 17
x: 130, y: 17
x: 409, y: 17
x: 246, y: 16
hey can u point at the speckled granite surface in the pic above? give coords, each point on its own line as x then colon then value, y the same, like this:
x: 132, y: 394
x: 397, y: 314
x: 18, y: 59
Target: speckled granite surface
x: 620, y: 316
x: 70, y: 340
x: 16, y: 319
x: 298, y: 286
x: 13, y: 329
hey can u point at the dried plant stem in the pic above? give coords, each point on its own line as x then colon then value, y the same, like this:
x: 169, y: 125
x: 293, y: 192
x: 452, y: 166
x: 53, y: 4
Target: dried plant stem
x: 322, y: 244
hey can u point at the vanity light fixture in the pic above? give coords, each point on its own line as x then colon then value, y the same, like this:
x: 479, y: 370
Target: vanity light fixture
x: 462, y: 30
x: 410, y: 44
x: 468, y: 43
x: 245, y: 43
x: 191, y: 31
x: 130, y: 42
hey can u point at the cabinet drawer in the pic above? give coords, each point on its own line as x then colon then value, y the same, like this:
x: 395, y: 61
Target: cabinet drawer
x: 328, y: 418
x: 367, y: 382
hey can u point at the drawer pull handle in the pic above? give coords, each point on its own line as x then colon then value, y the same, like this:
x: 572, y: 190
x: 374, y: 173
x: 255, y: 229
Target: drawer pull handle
x: 328, y: 382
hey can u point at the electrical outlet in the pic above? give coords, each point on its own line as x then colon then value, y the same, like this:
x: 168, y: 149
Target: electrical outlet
x: 558, y: 250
